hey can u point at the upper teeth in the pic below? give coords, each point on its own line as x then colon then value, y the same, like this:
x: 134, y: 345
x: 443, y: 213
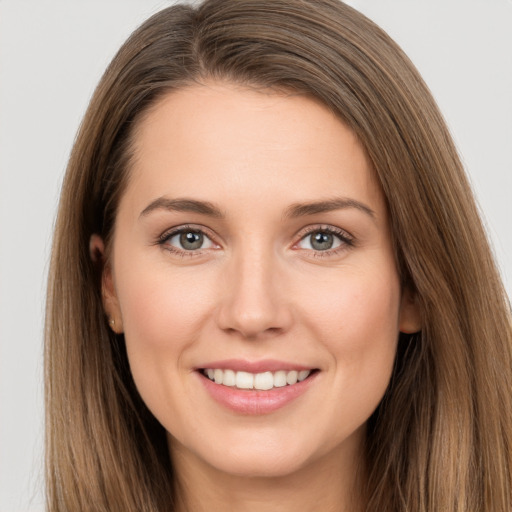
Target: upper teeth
x: 262, y: 381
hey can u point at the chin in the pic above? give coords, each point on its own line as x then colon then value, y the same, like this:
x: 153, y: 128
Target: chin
x: 263, y: 455
x: 262, y: 465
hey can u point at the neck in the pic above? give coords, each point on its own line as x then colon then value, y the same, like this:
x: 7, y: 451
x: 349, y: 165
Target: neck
x: 329, y: 484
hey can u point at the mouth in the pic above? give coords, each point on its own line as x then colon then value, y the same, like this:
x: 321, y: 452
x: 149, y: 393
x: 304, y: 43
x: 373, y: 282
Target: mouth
x: 256, y: 387
x: 263, y: 381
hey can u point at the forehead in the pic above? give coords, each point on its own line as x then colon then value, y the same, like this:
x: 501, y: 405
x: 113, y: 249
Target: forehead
x: 232, y: 141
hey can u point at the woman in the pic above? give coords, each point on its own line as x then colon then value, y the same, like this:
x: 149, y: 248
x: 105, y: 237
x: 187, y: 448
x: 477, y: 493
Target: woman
x: 270, y: 287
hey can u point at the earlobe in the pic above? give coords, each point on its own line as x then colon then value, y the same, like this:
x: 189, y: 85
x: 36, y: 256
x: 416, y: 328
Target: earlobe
x: 108, y: 292
x: 410, y: 315
x: 110, y: 302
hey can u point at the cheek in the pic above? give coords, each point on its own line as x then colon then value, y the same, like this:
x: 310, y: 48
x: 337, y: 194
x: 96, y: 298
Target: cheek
x: 355, y: 303
x: 357, y: 321
x: 163, y: 315
x: 163, y: 309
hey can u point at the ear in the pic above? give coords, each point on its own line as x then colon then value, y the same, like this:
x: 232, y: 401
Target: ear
x: 410, y: 316
x: 108, y: 292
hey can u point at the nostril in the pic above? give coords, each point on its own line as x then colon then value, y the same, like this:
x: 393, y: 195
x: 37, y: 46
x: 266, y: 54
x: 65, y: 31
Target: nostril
x: 254, y: 334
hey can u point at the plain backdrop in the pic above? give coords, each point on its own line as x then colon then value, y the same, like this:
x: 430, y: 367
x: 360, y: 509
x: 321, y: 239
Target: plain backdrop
x: 52, y: 53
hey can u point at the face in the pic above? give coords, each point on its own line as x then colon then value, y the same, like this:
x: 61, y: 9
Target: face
x: 253, y: 276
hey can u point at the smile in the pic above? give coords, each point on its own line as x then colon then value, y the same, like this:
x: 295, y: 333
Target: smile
x: 256, y: 387
x: 259, y: 381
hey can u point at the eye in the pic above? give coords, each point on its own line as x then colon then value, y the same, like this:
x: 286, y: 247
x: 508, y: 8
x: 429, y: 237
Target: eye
x: 187, y: 240
x: 324, y: 240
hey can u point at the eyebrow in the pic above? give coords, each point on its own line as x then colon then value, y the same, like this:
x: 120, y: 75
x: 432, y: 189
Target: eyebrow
x: 293, y: 211
x: 183, y: 205
x: 328, y: 205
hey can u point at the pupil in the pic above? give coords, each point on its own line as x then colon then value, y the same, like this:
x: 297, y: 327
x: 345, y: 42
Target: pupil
x: 191, y: 240
x: 321, y: 241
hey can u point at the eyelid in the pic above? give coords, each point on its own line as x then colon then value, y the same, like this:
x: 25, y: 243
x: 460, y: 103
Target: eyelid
x: 347, y: 239
x: 176, y: 230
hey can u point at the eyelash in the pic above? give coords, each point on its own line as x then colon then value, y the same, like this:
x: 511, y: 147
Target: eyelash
x: 168, y: 235
x: 347, y: 240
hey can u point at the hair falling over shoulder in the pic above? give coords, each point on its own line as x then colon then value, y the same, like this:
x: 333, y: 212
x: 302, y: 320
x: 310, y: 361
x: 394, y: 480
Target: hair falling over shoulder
x: 441, y: 440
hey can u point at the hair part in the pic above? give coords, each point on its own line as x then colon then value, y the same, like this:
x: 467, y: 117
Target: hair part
x: 441, y: 438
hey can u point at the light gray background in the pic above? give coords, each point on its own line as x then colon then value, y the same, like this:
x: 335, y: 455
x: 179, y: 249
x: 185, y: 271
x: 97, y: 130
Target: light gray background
x: 52, y: 54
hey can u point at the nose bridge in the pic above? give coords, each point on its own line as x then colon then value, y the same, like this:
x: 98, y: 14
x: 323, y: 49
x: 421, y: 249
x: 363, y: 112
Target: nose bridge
x: 254, y: 303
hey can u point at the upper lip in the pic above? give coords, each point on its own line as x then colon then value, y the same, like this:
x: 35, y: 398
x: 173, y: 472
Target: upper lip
x: 264, y: 365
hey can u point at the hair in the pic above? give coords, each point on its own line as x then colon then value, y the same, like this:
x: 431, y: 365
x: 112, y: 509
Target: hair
x: 441, y: 439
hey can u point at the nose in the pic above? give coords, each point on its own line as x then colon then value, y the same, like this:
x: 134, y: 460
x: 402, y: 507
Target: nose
x: 254, y: 302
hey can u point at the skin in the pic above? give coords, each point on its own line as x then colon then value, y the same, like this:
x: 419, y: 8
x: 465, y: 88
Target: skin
x: 257, y: 289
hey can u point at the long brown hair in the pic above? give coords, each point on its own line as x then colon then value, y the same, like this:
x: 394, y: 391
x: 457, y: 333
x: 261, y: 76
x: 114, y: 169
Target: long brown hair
x: 441, y: 440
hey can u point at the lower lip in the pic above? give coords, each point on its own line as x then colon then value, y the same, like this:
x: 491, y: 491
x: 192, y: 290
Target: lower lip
x: 252, y: 402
